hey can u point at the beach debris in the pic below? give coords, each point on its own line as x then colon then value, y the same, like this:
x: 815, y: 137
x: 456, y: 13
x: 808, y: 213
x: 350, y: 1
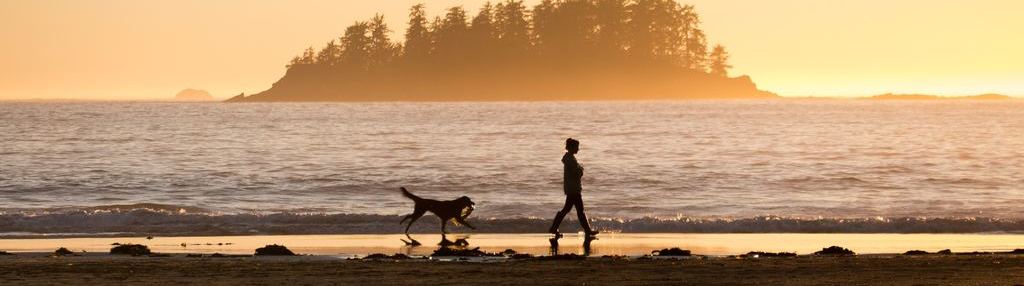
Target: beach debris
x: 184, y: 245
x: 461, y: 242
x: 511, y: 253
x: 116, y: 243
x: 149, y: 237
x: 475, y: 252
x: 922, y: 252
x: 675, y: 251
x: 760, y: 254
x: 569, y: 256
x: 62, y: 252
x: 381, y: 256
x: 835, y: 251
x: 5, y: 253
x: 916, y: 252
x: 274, y: 249
x: 131, y: 249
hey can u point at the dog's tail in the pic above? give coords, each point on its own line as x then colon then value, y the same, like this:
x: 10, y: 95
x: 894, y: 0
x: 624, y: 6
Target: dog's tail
x: 409, y: 195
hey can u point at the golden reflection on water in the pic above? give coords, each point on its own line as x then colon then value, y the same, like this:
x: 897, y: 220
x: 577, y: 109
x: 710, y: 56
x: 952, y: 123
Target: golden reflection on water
x: 606, y: 244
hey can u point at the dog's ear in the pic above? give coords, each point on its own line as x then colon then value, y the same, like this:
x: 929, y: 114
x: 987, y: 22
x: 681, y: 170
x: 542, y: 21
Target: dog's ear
x: 469, y: 201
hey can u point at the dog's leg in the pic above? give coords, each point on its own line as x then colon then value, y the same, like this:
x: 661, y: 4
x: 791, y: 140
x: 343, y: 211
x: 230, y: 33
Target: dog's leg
x: 412, y: 218
x: 463, y: 222
x: 444, y: 226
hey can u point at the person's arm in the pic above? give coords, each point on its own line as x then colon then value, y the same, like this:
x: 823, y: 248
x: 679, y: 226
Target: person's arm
x: 573, y: 166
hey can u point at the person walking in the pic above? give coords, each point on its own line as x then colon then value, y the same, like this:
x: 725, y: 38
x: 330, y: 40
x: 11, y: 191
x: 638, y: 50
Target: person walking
x: 573, y: 187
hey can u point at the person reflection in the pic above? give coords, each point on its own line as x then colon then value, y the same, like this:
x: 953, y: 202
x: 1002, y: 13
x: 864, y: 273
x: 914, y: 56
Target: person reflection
x: 587, y: 249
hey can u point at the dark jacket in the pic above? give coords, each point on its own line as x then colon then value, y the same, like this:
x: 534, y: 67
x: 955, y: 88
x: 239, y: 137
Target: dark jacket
x: 573, y: 175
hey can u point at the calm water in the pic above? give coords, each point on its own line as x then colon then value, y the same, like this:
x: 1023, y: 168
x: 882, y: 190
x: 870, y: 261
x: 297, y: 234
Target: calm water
x: 705, y: 159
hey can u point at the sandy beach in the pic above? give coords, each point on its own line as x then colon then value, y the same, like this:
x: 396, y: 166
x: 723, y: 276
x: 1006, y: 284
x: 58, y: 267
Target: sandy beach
x: 628, y: 244
x: 97, y: 269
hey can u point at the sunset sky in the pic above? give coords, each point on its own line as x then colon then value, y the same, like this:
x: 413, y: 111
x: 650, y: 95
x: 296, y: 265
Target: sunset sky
x: 138, y: 49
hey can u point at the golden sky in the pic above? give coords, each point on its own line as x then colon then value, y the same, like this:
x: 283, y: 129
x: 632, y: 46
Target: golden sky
x: 149, y: 49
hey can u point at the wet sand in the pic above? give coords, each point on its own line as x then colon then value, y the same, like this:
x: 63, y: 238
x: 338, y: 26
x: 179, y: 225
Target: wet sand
x: 97, y: 269
x: 538, y: 244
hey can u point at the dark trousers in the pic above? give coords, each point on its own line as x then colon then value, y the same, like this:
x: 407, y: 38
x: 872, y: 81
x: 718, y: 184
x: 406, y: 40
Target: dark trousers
x: 572, y: 200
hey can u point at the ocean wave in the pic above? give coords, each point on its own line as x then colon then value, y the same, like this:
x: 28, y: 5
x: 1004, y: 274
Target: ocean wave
x: 165, y: 220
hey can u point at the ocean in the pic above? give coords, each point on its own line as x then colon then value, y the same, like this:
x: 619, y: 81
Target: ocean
x: 686, y: 166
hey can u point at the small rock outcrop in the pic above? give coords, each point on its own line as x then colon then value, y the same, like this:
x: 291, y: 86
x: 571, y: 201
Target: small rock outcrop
x: 675, y: 251
x: 274, y: 250
x: 130, y: 249
x: 63, y: 252
x: 835, y: 251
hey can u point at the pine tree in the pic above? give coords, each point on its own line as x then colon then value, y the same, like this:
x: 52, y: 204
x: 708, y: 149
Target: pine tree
x: 380, y: 51
x: 513, y: 27
x: 418, y: 44
x: 695, y: 50
x: 355, y: 45
x: 308, y: 57
x: 719, y: 61
x: 329, y: 55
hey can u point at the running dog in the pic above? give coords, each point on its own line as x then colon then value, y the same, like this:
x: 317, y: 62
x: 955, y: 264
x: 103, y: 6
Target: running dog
x: 457, y: 209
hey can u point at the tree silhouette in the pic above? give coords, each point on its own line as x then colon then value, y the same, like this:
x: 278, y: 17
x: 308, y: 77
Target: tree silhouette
x: 719, y: 61
x: 611, y: 19
x: 513, y: 28
x: 330, y: 55
x: 451, y: 36
x: 308, y: 57
x: 417, y: 36
x: 355, y: 54
x: 483, y: 36
x: 381, y: 51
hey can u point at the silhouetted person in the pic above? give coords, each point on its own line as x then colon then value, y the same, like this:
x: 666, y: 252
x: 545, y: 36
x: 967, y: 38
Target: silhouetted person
x: 573, y: 189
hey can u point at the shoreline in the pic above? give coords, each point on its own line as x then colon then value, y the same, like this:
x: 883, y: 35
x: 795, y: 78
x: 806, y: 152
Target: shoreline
x: 617, y: 244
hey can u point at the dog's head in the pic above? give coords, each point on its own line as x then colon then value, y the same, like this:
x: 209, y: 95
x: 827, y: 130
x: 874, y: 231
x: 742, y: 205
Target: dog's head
x: 467, y: 206
x: 465, y: 201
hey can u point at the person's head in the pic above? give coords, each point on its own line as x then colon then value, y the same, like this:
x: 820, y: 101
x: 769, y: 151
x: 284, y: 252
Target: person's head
x: 572, y: 145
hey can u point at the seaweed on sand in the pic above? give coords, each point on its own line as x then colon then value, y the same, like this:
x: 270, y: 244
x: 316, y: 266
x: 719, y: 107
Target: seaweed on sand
x: 835, y: 251
x: 130, y: 249
x: 675, y: 251
x: 274, y: 250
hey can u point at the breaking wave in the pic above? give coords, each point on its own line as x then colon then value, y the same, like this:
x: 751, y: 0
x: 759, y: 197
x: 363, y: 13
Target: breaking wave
x: 166, y: 220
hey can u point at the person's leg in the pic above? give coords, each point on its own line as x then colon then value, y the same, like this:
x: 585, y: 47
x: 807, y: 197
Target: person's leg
x: 580, y: 214
x: 561, y: 215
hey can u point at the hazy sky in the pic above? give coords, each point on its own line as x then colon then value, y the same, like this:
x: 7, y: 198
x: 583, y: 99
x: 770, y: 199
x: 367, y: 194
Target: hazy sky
x: 141, y: 49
